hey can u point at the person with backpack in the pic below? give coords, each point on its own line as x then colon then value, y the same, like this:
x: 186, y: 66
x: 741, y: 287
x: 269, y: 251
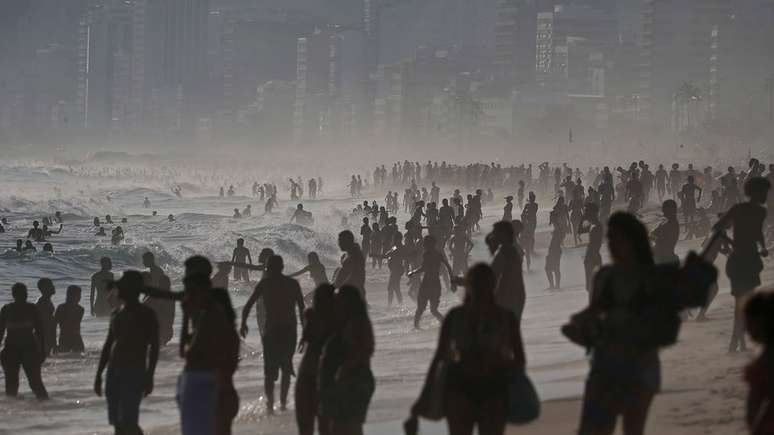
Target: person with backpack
x: 479, y: 351
x: 631, y: 317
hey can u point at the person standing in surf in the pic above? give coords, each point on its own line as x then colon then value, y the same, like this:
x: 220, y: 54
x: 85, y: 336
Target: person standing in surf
x: 101, y: 300
x: 130, y: 354
x: 24, y: 345
x: 241, y: 255
x: 282, y: 295
x: 430, y: 288
x: 352, y: 271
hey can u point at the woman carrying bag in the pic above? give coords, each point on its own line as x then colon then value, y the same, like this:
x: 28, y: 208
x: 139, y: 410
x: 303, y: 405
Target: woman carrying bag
x: 479, y: 362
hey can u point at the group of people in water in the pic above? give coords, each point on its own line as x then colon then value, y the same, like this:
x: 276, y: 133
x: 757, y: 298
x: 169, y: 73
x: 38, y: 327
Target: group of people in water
x: 629, y: 318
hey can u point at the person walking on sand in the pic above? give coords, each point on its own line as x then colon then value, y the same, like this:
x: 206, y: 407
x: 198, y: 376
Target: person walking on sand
x: 744, y: 263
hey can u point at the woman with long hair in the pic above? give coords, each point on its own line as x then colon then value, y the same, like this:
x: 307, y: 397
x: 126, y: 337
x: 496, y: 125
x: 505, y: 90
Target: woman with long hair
x: 632, y: 324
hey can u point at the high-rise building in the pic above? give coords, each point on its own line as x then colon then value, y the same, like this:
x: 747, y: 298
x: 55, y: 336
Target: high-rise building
x: 681, y: 42
x: 318, y: 75
x: 185, y: 52
x: 515, y: 41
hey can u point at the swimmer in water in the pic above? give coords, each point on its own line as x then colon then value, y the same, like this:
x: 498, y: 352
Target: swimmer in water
x: 48, y: 248
x: 36, y: 233
x: 28, y: 246
x: 117, y: 236
x: 101, y: 232
x: 237, y: 215
x: 171, y: 218
x: 19, y: 245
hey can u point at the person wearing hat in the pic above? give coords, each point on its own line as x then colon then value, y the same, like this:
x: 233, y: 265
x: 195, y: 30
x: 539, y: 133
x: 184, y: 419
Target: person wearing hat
x: 508, y: 209
x: 130, y: 354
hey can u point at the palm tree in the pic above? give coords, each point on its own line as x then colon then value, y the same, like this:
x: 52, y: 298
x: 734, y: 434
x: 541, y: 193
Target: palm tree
x: 686, y: 96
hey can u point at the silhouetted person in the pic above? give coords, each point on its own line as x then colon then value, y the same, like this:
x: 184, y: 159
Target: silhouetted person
x: 45, y: 308
x: 163, y: 307
x: 36, y: 233
x: 430, y: 288
x: 101, y: 232
x: 460, y: 246
x: 630, y: 319
x: 346, y: 383
x: 485, y: 340
x: 241, y: 255
x: 24, y: 343
x: 29, y: 247
x: 689, y: 199
x: 352, y: 270
x: 508, y: 209
x: 759, y: 319
x: 744, y: 263
x: 207, y: 399
x: 396, y: 263
x: 315, y: 269
x: 318, y: 326
x: 100, y: 300
x: 506, y: 263
x: 666, y: 235
x: 529, y: 219
x: 130, y: 353
x: 68, y: 317
x: 660, y: 178
x: 220, y: 279
x: 553, y: 267
x: 118, y: 235
x: 19, y: 246
x: 282, y: 295
x: 365, y: 234
x: 592, y: 260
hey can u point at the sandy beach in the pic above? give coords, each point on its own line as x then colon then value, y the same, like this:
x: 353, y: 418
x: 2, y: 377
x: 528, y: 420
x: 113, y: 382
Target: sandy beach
x: 702, y: 389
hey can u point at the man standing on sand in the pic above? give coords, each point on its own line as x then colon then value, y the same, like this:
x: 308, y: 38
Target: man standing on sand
x: 130, y: 353
x: 281, y: 296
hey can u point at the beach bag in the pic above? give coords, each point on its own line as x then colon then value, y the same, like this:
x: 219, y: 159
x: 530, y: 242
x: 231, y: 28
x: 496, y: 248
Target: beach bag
x: 523, y: 400
x: 431, y: 400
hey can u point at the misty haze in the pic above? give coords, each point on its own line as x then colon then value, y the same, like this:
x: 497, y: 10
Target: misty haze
x: 353, y: 217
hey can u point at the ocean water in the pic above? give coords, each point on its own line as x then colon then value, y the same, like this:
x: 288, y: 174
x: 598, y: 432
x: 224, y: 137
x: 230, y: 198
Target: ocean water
x: 203, y: 225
